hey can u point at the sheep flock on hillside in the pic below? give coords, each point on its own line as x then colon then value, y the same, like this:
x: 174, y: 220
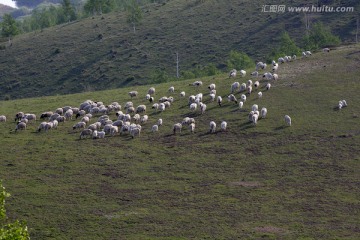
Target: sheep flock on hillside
x: 94, y: 119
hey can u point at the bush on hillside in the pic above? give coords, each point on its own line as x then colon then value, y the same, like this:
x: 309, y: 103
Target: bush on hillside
x: 320, y: 36
x: 239, y: 60
x: 287, y: 47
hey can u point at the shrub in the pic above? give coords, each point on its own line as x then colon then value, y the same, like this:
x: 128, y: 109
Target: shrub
x: 239, y: 60
x: 320, y: 36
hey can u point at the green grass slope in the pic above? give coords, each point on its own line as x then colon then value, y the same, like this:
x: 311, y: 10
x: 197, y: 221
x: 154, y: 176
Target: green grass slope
x: 103, y: 52
x: 263, y: 182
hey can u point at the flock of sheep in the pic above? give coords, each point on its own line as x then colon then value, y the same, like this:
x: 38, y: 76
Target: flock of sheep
x: 130, y: 119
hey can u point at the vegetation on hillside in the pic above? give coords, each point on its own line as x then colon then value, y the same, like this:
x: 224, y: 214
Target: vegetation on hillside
x: 17, y: 230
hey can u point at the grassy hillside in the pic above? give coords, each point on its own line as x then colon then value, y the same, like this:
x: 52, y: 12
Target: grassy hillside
x: 263, y: 182
x: 103, y: 52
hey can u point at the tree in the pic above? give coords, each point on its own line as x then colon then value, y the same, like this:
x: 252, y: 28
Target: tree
x: 68, y: 11
x: 99, y: 6
x: 8, y: 26
x: 320, y: 36
x: 239, y: 60
x: 287, y: 47
x: 16, y: 230
x: 134, y: 14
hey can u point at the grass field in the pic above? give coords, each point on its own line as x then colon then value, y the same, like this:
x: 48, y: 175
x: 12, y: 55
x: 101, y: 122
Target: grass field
x: 265, y: 182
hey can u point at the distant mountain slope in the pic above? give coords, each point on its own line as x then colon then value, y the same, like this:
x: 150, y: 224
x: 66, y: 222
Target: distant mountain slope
x: 102, y: 52
x: 5, y: 9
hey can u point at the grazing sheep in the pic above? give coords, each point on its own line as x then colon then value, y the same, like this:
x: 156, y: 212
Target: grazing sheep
x: 263, y: 112
x: 254, y: 118
x: 242, y: 73
x: 250, y: 116
x: 260, y: 65
x: 241, y: 104
x: 326, y: 50
x: 242, y: 87
x: 133, y: 94
x: 171, y: 89
x: 255, y: 74
x: 144, y: 119
x: 68, y: 114
x: 187, y: 121
x: 118, y: 123
x: 243, y: 97
x: 193, y: 107
x: 234, y: 86
x: 275, y: 77
x: 59, y: 111
x: 101, y: 134
x: 25, y: 120
x: 308, y: 53
x: 79, y: 125
x: 255, y: 107
x: 281, y: 60
x: 161, y: 107
x: 202, y: 108
x: 212, y: 127
x: 159, y: 122
x: 19, y: 116
x: 20, y: 126
x: 136, y: 118
x: 128, y: 104
x: 151, y: 91
x: 114, y: 130
x: 287, y: 120
x: 167, y: 104
x: 130, y: 110
x: 232, y: 73
x: 2, y: 118
x: 177, y: 128
x: 294, y: 57
x: 196, y: 84
x: 41, y: 126
x: 275, y: 68
x: 151, y: 99
x: 155, y: 128
x: 223, y: 126
x: 85, y: 119
x: 30, y: 116
x: 147, y: 96
x: 135, y: 131
x: 155, y: 106
x: 259, y: 94
x: 342, y: 103
x: 212, y: 86
x: 268, y: 76
x: 256, y: 84
x: 85, y: 132
x: 219, y: 100
x: 192, y: 127
x: 268, y: 86
x: 232, y: 98
x: 182, y: 94
x: 249, y: 89
x: 46, y: 115
x: 249, y: 83
x: 95, y: 134
x: 141, y: 109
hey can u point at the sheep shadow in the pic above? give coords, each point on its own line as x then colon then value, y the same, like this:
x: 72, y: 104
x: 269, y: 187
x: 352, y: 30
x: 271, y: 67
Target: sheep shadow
x: 280, y: 128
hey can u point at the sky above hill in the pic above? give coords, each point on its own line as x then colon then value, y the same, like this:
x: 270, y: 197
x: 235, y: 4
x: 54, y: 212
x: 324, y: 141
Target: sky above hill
x: 10, y: 3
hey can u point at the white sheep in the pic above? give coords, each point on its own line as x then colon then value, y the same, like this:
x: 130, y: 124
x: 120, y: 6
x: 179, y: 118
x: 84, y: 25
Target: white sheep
x: 256, y: 84
x: 30, y: 116
x: 41, y: 126
x: 155, y: 128
x: 212, y: 96
x: 249, y: 83
x: 171, y: 89
x: 234, y: 86
x: 136, y: 118
x: 147, y: 97
x: 79, y: 125
x: 68, y: 114
x: 20, y: 126
x: 212, y: 86
x: 101, y: 134
x: 95, y: 134
x: 159, y: 122
x: 182, y: 94
x: 223, y: 126
x: 232, y: 73
x: 212, y: 127
x: 275, y: 77
x: 281, y: 60
x: 242, y: 87
x: 241, y: 104
x: 242, y: 73
x: 255, y: 107
x: 193, y: 107
x: 219, y: 100
x: 287, y: 120
x: 192, y: 127
x: 135, y: 131
x: 249, y: 89
x: 85, y: 132
x: 2, y: 118
x: 243, y: 97
x: 161, y: 107
x: 275, y: 68
x: 308, y: 53
x: 151, y: 91
x: 133, y: 94
x: 294, y: 57
x: 268, y: 86
x: 155, y: 106
x: 130, y: 110
x: 19, y: 116
x: 268, y: 76
x: 255, y: 118
x: 114, y: 130
x: 187, y: 121
x: 177, y: 128
x: 196, y: 84
x: 255, y: 74
x: 232, y: 98
x: 259, y: 94
x: 263, y: 112
x: 202, y: 108
x: 141, y: 109
x: 144, y: 119
x: 326, y: 50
